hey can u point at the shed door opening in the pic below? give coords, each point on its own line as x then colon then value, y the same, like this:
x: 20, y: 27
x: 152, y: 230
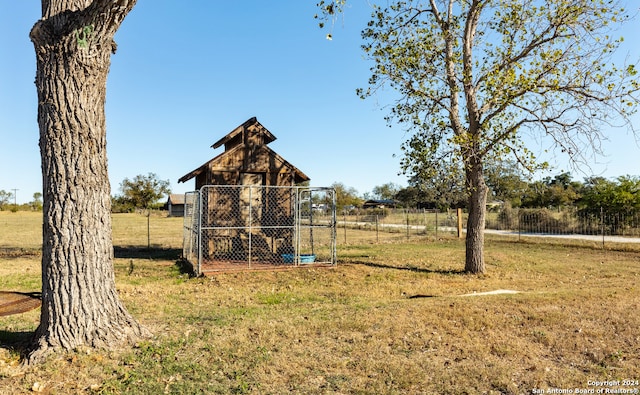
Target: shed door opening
x: 251, y: 197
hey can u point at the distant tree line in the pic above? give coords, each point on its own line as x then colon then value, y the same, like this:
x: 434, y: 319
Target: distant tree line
x: 142, y: 192
x: 7, y: 202
x: 621, y: 194
x: 510, y: 187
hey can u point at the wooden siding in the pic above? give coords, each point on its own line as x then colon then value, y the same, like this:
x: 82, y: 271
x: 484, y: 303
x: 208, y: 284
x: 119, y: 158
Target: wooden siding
x: 246, y: 152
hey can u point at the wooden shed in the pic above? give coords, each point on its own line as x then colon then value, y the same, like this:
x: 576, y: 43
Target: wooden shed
x: 247, y: 202
x: 246, y: 160
x: 175, y: 205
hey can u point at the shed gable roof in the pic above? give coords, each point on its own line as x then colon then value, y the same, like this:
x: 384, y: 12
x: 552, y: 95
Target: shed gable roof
x: 238, y: 157
x: 175, y: 198
x: 240, y: 135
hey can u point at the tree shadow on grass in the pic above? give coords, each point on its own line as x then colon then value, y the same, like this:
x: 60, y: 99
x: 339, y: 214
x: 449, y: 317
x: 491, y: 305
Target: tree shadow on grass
x: 185, y: 267
x: 156, y: 253
x: 19, y: 252
x: 408, y: 268
x: 153, y: 253
x: 411, y: 269
x: 17, y: 342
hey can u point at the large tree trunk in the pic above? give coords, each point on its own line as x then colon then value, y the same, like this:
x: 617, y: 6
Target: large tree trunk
x: 477, y: 189
x: 80, y: 305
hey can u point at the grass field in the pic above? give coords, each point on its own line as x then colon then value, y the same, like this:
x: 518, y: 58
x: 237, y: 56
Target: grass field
x: 389, y: 319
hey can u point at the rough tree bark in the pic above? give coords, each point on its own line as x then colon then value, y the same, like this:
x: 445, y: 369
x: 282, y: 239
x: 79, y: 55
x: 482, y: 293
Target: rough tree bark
x: 80, y: 307
x: 474, y: 242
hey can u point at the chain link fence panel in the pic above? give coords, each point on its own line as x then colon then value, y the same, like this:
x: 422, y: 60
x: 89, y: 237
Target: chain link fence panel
x: 258, y: 227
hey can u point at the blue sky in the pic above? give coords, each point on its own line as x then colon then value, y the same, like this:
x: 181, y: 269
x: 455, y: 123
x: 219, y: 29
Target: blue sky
x: 186, y: 73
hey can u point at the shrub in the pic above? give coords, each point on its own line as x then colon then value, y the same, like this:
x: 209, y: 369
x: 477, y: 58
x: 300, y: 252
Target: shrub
x: 370, y: 214
x: 541, y: 220
x: 507, y: 217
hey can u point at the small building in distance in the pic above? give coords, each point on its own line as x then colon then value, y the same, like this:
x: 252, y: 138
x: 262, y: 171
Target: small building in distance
x: 380, y: 203
x: 175, y: 205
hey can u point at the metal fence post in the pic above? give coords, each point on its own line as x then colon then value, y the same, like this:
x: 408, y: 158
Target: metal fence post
x: 518, y: 224
x: 407, y: 215
x: 602, y: 225
x: 345, y: 226
x: 199, y: 236
x: 424, y: 213
x: 437, y: 223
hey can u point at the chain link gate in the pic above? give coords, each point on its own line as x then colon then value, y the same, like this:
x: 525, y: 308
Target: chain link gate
x: 231, y: 227
x: 190, y: 232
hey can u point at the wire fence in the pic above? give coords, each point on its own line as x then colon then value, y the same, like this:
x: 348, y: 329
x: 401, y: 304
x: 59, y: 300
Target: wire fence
x: 597, y: 222
x: 388, y: 225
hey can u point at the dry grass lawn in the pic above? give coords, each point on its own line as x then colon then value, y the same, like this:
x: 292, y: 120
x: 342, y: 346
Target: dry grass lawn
x: 388, y: 319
